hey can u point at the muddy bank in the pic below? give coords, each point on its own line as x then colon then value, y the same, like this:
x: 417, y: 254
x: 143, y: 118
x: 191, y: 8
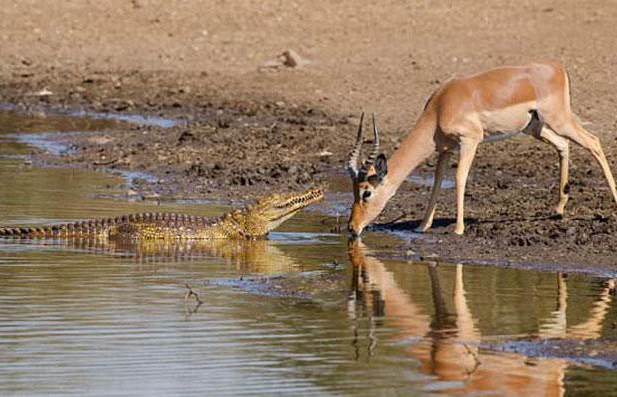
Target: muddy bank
x: 600, y: 353
x: 222, y: 146
x: 230, y: 147
x: 309, y: 285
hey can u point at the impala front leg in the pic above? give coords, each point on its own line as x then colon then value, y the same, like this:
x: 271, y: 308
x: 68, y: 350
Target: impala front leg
x: 442, y: 161
x: 468, y: 151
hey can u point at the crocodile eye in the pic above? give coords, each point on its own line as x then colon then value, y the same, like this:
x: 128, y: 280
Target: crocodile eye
x: 366, y: 195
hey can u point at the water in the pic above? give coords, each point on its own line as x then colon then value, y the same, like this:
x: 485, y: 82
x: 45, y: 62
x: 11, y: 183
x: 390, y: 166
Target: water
x: 80, y: 115
x: 297, y: 314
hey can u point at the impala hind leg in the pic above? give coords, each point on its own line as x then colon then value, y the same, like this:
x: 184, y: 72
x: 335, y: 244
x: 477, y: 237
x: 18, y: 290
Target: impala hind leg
x: 442, y: 161
x: 582, y: 137
x: 468, y: 151
x: 563, y: 149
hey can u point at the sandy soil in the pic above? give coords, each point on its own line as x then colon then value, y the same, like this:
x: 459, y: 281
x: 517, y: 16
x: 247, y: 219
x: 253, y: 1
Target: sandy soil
x: 253, y: 124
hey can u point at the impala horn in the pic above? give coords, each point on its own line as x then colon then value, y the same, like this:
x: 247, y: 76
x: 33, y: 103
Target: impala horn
x: 375, y: 150
x: 352, y: 165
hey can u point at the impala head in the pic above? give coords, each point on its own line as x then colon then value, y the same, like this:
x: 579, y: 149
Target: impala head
x: 370, y: 193
x: 271, y: 211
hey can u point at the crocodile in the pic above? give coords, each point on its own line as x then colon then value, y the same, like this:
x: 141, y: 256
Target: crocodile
x: 251, y: 222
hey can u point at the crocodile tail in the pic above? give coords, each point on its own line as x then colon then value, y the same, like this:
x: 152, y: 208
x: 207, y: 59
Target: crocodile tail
x: 27, y: 231
x: 85, y: 228
x: 97, y: 227
x: 82, y: 229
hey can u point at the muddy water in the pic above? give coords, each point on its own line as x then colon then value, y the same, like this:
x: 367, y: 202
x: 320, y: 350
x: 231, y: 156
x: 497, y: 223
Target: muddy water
x: 298, y: 313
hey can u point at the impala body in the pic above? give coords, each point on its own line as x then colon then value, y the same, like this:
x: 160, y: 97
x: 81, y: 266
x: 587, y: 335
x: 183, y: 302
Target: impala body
x: 532, y: 99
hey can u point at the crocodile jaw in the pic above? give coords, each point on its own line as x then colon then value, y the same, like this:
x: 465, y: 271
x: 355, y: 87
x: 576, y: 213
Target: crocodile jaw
x: 271, y: 211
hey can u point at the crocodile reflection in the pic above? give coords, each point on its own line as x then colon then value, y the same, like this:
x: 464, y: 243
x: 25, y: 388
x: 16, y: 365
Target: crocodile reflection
x: 446, y: 344
x: 259, y: 256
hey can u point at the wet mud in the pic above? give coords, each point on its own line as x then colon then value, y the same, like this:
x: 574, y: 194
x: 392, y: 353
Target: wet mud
x: 208, y: 147
x: 312, y: 285
x: 586, y: 352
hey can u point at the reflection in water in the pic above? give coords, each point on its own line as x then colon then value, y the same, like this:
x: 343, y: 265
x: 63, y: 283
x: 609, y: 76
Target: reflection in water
x: 447, y: 344
x: 247, y: 256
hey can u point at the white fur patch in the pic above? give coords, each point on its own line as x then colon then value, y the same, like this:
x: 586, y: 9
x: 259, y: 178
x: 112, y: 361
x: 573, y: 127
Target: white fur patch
x: 511, y: 119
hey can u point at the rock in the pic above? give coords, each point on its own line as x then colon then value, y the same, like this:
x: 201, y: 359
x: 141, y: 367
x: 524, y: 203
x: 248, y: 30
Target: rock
x: 291, y: 59
x: 43, y: 92
x: 99, y: 140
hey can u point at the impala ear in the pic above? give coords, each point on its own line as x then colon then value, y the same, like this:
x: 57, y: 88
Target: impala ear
x: 381, y: 169
x: 381, y: 166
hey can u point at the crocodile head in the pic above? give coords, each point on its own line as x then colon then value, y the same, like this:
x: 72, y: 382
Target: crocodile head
x: 271, y: 211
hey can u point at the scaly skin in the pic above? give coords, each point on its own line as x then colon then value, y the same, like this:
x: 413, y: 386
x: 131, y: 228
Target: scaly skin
x: 252, y: 222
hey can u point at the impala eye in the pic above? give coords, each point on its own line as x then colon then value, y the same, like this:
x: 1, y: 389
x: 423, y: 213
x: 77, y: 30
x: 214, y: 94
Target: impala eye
x: 366, y: 195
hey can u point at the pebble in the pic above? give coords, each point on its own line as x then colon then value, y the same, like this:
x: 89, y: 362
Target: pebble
x: 291, y: 59
x: 43, y: 92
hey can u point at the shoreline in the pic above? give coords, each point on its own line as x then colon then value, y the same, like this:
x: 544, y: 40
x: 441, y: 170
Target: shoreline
x: 236, y: 149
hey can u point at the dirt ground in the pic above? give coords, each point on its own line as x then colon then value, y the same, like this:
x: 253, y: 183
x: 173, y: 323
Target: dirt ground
x: 252, y: 124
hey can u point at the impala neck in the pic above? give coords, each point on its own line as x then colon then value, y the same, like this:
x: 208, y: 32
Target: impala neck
x: 416, y: 147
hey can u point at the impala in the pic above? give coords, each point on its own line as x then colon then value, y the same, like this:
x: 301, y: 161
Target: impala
x: 533, y: 99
